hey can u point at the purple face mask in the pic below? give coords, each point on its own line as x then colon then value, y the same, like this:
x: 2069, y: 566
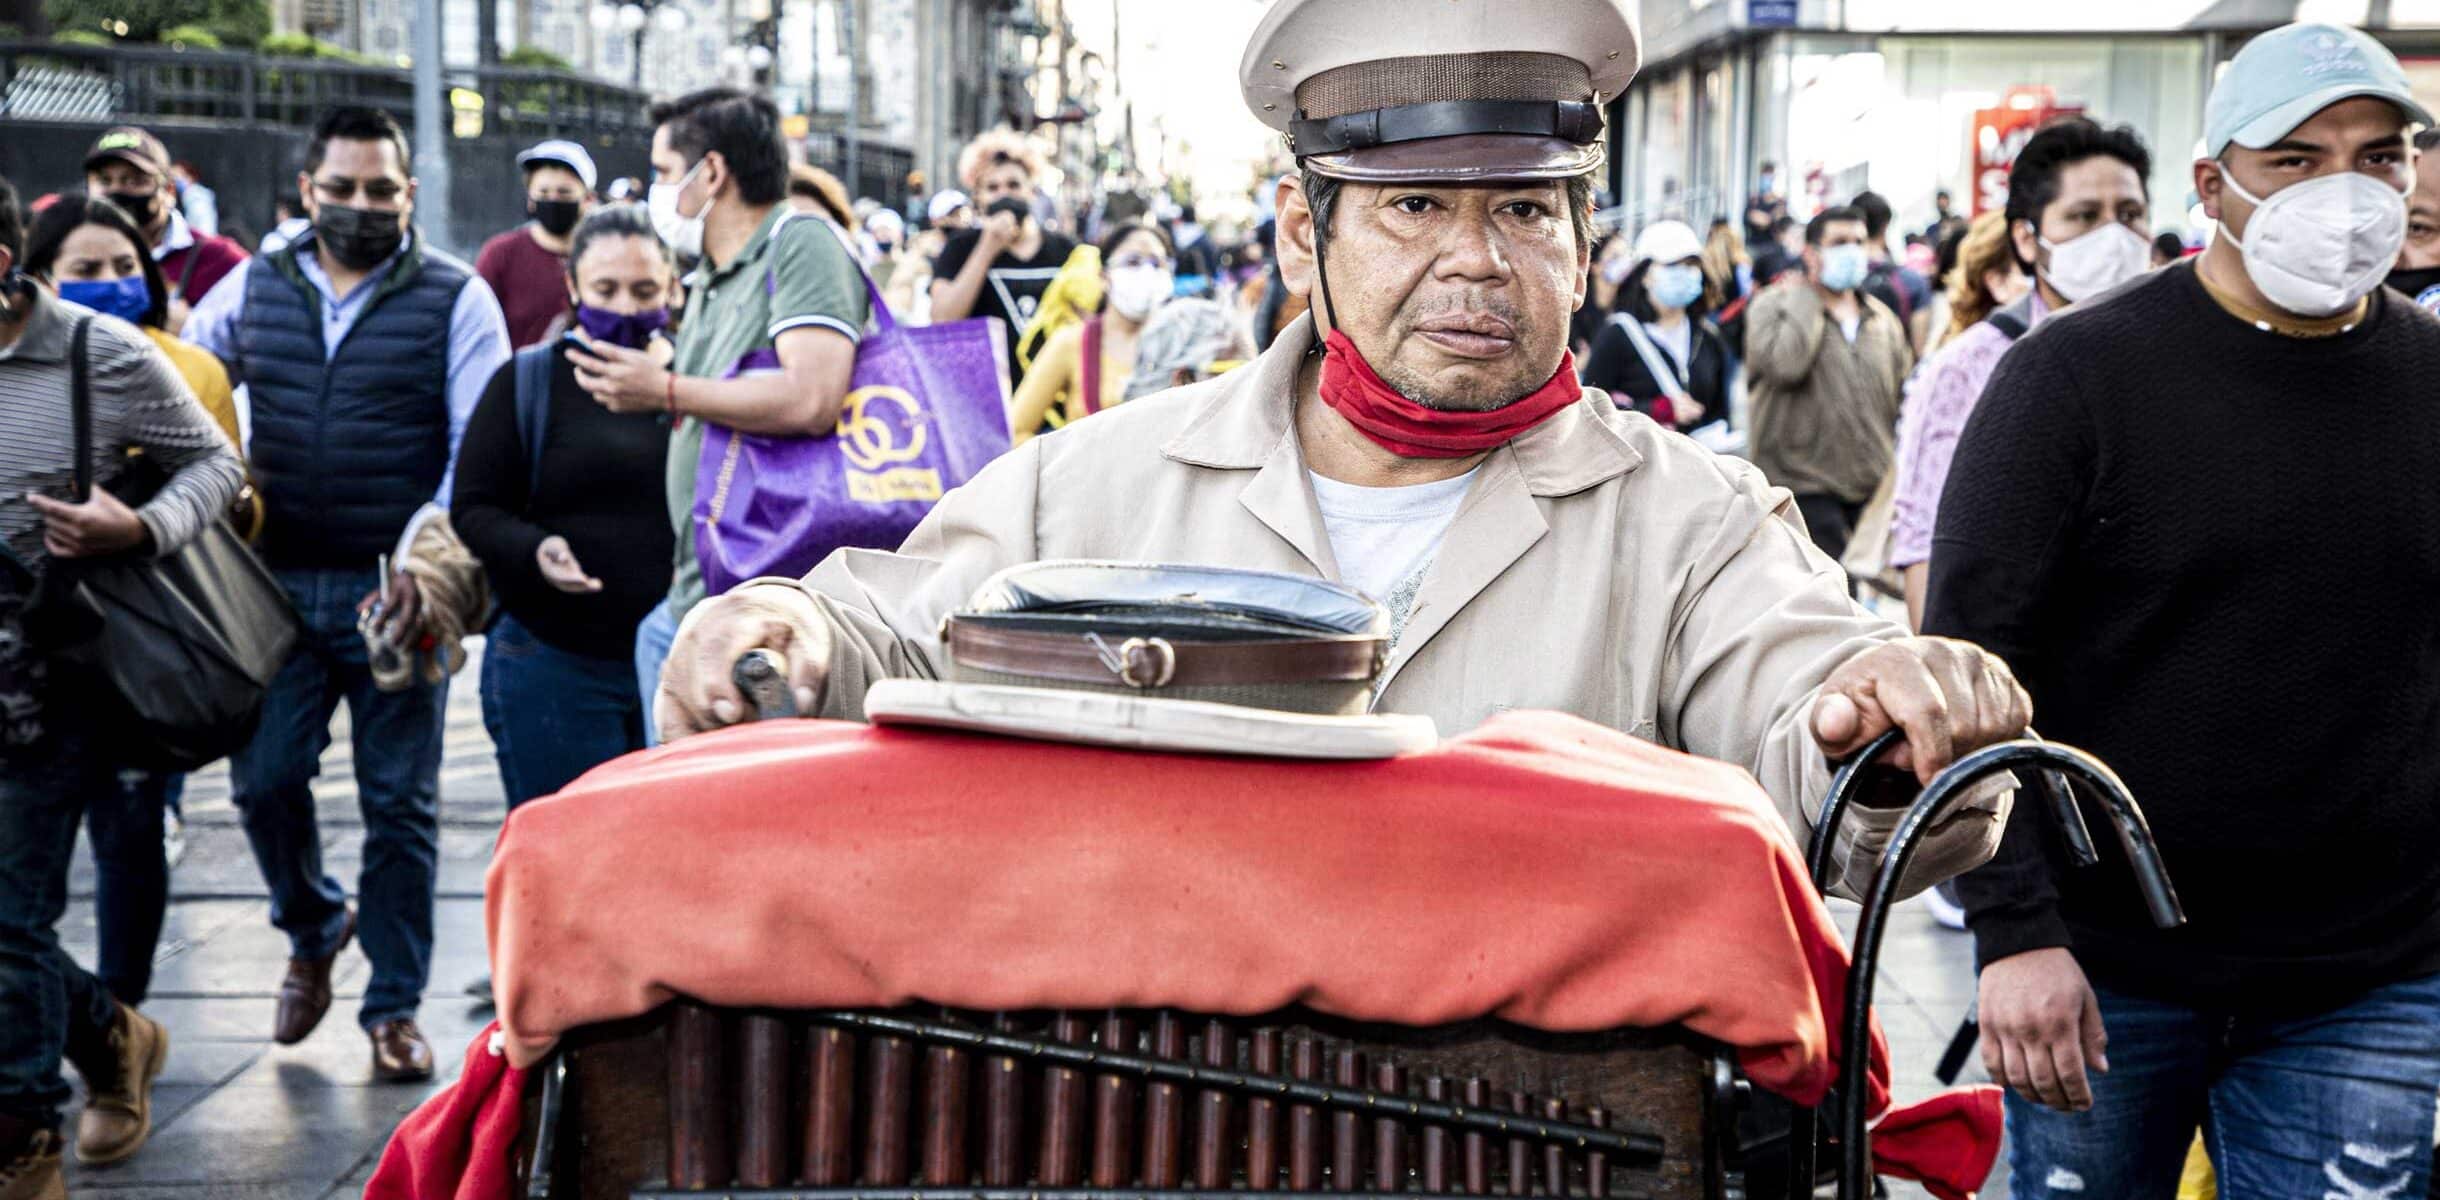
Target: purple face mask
x: 631, y: 330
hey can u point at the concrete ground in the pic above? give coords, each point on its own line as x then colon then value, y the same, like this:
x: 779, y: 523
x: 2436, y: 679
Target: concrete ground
x: 238, y: 1118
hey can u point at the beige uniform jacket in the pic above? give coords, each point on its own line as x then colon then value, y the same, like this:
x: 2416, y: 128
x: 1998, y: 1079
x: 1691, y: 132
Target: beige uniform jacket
x: 1598, y: 566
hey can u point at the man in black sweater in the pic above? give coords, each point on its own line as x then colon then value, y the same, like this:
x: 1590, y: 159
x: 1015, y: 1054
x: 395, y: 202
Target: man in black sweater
x: 2198, y: 517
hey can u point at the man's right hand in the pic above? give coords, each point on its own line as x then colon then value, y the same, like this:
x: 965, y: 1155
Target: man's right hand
x: 999, y: 232
x: 2041, y: 1028
x: 698, y: 692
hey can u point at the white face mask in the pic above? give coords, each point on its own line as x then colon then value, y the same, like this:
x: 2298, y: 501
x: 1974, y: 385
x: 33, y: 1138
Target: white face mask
x: 2317, y: 247
x: 2091, y: 263
x: 682, y: 234
x: 1136, y: 291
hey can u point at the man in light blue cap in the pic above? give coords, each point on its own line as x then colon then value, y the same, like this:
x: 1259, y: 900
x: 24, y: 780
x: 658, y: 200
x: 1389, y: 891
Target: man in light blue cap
x: 2146, y: 516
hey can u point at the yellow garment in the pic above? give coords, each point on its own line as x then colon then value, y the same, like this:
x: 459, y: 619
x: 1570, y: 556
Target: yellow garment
x: 2198, y: 1182
x: 204, y: 376
x: 1074, y: 294
x: 1053, y: 389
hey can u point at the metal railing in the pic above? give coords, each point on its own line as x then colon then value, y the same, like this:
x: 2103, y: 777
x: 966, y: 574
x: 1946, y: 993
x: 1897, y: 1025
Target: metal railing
x: 53, y: 81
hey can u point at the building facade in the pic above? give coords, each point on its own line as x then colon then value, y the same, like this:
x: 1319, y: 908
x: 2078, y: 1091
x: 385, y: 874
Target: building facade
x: 1910, y: 97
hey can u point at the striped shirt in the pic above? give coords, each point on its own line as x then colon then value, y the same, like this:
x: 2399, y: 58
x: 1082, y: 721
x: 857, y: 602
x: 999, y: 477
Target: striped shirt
x: 139, y: 402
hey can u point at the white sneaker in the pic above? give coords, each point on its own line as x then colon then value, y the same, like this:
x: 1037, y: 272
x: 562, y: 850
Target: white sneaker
x: 1945, y: 909
x: 173, y: 838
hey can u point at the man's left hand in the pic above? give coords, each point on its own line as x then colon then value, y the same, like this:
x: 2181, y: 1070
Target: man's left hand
x: 1950, y: 698
x: 401, y: 622
x: 620, y: 379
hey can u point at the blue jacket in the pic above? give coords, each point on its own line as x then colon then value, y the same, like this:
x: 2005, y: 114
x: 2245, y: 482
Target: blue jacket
x: 346, y: 445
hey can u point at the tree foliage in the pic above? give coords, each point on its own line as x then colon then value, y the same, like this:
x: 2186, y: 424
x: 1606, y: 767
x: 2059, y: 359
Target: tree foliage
x: 229, y: 22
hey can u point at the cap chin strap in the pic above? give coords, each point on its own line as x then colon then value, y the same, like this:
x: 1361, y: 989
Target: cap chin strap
x: 1323, y: 272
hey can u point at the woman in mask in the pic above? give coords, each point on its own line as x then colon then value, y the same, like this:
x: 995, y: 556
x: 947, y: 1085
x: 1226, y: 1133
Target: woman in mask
x: 1084, y: 368
x: 1660, y: 354
x: 563, y: 502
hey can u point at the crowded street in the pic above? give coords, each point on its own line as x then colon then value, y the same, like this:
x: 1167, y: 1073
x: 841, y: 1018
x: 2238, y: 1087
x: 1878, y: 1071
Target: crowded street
x: 1121, y: 600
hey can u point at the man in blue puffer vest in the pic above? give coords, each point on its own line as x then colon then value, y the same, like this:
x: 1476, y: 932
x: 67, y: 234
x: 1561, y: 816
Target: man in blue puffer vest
x: 364, y: 350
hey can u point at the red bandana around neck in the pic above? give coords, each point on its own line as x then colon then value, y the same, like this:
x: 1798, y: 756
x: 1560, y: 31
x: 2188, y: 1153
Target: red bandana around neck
x: 1411, y: 430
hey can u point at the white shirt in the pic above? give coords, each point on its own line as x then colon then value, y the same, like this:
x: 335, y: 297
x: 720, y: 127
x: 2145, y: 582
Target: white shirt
x: 1678, y: 341
x: 1851, y: 326
x: 1385, y: 538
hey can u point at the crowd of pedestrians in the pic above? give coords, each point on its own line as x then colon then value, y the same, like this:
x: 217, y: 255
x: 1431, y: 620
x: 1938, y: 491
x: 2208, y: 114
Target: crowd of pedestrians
x: 2199, y: 563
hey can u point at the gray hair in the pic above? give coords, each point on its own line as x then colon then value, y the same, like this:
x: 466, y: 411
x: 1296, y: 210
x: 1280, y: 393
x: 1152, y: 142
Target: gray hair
x: 1183, y: 335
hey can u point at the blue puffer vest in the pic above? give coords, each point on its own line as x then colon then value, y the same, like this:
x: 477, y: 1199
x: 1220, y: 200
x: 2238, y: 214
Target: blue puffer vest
x: 346, y: 446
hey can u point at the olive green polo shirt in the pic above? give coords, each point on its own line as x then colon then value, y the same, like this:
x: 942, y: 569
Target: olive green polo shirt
x: 792, y: 273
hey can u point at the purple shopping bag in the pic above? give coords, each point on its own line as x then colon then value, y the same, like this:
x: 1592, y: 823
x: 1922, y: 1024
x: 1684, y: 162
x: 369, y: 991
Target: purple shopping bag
x: 925, y: 409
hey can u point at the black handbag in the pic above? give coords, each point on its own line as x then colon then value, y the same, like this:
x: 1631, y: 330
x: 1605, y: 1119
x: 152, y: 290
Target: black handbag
x: 171, y: 656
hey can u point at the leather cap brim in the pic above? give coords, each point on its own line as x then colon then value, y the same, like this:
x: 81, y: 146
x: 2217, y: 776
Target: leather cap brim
x: 1466, y: 158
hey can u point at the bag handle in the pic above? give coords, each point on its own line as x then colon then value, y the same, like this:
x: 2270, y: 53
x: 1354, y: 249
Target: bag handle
x: 1088, y: 368
x: 532, y: 391
x: 884, y: 321
x: 80, y: 405
x: 1663, y: 373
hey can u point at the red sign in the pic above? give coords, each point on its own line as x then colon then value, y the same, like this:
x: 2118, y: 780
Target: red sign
x: 2000, y: 133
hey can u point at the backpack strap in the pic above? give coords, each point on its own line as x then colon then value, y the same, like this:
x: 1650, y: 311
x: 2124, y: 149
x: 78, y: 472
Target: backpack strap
x: 1088, y: 366
x: 533, y: 392
x: 80, y: 407
x: 1666, y: 374
x: 2015, y: 320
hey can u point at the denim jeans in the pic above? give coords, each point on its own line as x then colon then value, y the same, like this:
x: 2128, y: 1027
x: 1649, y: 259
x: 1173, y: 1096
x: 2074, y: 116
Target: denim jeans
x: 652, y: 639
x: 554, y: 715
x: 131, y: 878
x: 49, y: 1006
x: 2339, y: 1103
x: 397, y: 738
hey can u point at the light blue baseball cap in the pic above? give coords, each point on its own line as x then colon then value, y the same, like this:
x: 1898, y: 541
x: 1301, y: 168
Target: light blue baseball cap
x: 2280, y: 79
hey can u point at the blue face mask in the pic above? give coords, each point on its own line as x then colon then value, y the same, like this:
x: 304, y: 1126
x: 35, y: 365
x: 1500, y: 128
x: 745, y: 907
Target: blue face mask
x: 1676, y: 285
x: 127, y: 299
x: 1844, y: 268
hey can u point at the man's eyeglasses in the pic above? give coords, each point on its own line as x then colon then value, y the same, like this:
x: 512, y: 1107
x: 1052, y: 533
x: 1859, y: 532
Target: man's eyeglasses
x: 340, y: 191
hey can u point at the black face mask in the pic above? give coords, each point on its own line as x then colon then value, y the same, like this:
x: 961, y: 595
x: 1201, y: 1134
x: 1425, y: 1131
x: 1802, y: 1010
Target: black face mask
x: 2414, y: 281
x: 556, y: 217
x: 1018, y: 205
x: 358, y: 238
x: 139, y: 207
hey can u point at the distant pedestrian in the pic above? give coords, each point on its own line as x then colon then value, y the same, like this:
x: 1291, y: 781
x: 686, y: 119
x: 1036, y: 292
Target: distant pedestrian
x: 768, y: 285
x: 1899, y: 287
x: 199, y: 202
x: 2195, y: 514
x: 53, y: 762
x: 1728, y: 271
x: 814, y: 190
x: 1825, y: 362
x: 132, y: 168
x: 2417, y: 276
x: 527, y: 267
x: 1138, y: 277
x: 950, y: 212
x: 364, y: 350
x: 288, y: 223
x: 1001, y: 267
x: 574, y: 532
x: 1658, y: 352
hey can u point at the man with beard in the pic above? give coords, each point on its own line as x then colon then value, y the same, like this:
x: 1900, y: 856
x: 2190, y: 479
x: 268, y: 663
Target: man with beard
x: 132, y: 168
x: 365, y: 350
x: 1420, y: 436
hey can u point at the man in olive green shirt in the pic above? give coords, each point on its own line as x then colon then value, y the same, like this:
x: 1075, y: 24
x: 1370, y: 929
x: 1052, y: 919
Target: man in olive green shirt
x: 769, y: 282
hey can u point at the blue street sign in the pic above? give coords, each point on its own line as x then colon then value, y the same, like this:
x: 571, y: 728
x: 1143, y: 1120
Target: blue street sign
x: 1771, y: 14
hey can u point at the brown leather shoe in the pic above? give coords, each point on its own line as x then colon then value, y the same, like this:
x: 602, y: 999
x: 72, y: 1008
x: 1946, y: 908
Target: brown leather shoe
x: 32, y: 1170
x: 400, y: 1053
x: 118, y: 1093
x: 305, y: 992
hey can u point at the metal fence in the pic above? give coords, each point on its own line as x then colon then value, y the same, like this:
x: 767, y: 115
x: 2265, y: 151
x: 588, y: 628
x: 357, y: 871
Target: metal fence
x: 51, y: 81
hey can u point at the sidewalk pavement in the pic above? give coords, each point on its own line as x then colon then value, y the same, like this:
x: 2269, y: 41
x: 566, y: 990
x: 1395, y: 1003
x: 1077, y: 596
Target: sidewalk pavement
x: 238, y: 1118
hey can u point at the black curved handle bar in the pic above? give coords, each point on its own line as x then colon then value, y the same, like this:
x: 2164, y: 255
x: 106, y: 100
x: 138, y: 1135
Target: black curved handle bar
x: 2057, y: 763
x: 1848, y: 781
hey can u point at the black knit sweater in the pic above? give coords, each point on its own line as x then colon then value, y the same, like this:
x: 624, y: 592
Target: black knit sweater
x: 2212, y: 553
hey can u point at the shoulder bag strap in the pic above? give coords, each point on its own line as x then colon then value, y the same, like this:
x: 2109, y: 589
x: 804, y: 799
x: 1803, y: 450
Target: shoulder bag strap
x: 883, y: 319
x: 186, y: 274
x: 1654, y: 361
x: 2015, y: 320
x: 1088, y: 365
x: 80, y: 406
x: 533, y: 391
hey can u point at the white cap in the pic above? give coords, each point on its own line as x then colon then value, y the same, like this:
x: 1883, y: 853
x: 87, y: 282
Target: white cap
x: 1667, y: 242
x: 944, y: 203
x: 564, y: 153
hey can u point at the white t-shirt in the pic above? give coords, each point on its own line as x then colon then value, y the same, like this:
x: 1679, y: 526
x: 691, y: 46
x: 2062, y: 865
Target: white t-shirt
x: 1678, y: 341
x: 1851, y: 326
x: 1385, y: 538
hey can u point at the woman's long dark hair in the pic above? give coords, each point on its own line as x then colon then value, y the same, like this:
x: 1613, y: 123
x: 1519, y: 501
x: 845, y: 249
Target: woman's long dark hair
x: 1117, y: 236
x: 75, y: 210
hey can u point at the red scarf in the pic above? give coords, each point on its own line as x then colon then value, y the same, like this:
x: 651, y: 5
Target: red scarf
x: 1411, y: 430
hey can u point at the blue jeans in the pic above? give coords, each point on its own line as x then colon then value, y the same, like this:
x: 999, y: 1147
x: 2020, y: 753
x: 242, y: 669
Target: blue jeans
x: 554, y: 715
x: 131, y: 878
x: 2339, y: 1103
x: 652, y: 639
x: 397, y: 738
x: 49, y: 1006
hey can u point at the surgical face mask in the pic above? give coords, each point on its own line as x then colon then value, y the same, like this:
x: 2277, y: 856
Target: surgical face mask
x: 127, y: 299
x: 140, y: 207
x: 1676, y: 285
x: 2091, y: 263
x: 358, y: 238
x: 1136, y: 291
x: 2317, y: 247
x: 630, y: 329
x: 1844, y: 268
x: 556, y: 217
x: 682, y: 234
x: 1614, y: 270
